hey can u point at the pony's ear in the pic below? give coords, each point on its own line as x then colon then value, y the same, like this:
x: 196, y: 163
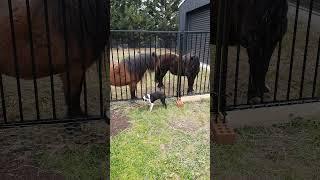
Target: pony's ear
x: 153, y: 54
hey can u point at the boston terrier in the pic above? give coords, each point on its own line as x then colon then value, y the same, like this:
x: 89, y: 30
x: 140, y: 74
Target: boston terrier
x: 150, y: 98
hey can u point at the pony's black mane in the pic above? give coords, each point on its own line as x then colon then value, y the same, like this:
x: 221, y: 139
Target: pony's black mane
x: 140, y: 63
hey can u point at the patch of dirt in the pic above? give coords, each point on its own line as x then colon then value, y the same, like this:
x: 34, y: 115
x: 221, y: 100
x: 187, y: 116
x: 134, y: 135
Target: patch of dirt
x: 185, y: 125
x: 21, y: 145
x: 119, y: 123
x: 21, y: 169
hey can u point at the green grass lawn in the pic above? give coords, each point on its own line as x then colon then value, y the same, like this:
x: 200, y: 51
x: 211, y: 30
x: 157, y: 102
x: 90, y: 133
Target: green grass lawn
x: 168, y: 143
x: 285, y: 151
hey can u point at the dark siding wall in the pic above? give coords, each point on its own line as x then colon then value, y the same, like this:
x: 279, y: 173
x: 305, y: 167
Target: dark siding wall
x: 198, y: 43
x: 188, y: 6
x: 199, y: 20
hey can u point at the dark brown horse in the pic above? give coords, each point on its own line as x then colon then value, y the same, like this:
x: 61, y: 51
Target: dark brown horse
x: 131, y: 70
x: 256, y: 25
x: 59, y: 36
x: 190, y: 67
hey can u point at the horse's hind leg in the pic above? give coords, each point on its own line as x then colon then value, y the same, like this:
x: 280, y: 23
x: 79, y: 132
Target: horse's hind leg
x: 133, y: 87
x: 76, y: 77
x: 190, y: 84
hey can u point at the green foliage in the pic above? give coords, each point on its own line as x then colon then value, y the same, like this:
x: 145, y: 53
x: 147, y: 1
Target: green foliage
x: 146, y: 15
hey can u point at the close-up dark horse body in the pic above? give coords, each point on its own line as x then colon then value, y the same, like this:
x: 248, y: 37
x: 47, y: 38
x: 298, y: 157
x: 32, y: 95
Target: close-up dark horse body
x: 131, y: 70
x: 66, y: 36
x: 190, y: 68
x: 257, y: 25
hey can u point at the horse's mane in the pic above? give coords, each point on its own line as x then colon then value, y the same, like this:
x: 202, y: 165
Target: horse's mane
x: 85, y: 20
x: 139, y: 63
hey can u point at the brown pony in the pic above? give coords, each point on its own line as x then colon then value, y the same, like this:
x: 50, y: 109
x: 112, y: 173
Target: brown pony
x: 131, y: 70
x: 190, y: 67
x: 44, y: 37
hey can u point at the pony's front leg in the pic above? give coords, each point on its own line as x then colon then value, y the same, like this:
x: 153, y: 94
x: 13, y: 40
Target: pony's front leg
x: 160, y: 80
x: 190, y: 85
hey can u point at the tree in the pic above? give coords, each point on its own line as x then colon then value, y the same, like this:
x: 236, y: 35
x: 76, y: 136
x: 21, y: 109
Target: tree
x: 164, y: 14
x: 144, y: 15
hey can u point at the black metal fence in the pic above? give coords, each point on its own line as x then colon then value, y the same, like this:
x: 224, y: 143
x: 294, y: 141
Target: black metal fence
x: 37, y: 101
x: 128, y: 44
x: 293, y: 71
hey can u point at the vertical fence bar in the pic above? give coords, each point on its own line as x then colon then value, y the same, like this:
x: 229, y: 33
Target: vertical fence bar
x: 34, y: 76
x: 292, y: 50
x: 160, y: 72
x: 135, y: 62
x: 165, y: 57
x: 83, y: 61
x: 306, y: 50
x: 150, y: 40
x: 54, y: 114
x: 113, y: 71
x: 216, y: 85
x: 277, y: 71
x: 316, y: 71
x: 208, y: 63
x: 203, y: 56
x: 169, y: 72
x: 190, y: 51
x: 124, y: 65
x: 195, y: 53
x: 236, y: 79
x: 3, y: 101
x: 66, y: 45
x: 184, y: 48
x: 100, y: 68
x: 155, y: 50
x: 175, y: 52
x: 145, y: 61
x: 140, y: 61
x: 121, y: 93
x: 179, y: 65
x: 15, y: 57
x: 100, y: 88
x: 199, y: 59
x: 129, y: 67
x: 224, y: 70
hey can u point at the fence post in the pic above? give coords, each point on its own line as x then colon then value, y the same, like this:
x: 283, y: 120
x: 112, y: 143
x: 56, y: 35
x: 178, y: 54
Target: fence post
x: 220, y: 68
x: 179, y: 64
x: 216, y: 82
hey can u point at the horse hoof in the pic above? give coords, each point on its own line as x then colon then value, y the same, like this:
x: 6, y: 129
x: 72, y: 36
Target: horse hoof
x: 255, y: 100
x: 190, y: 93
x: 75, y: 114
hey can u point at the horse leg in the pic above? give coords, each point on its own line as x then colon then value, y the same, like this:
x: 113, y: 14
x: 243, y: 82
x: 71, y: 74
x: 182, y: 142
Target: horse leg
x: 259, y: 69
x: 255, y: 79
x: 76, y: 77
x: 133, y: 87
x: 190, y: 84
x: 160, y: 78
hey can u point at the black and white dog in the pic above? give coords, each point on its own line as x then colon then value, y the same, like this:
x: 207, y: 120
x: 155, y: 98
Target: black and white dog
x: 150, y: 98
